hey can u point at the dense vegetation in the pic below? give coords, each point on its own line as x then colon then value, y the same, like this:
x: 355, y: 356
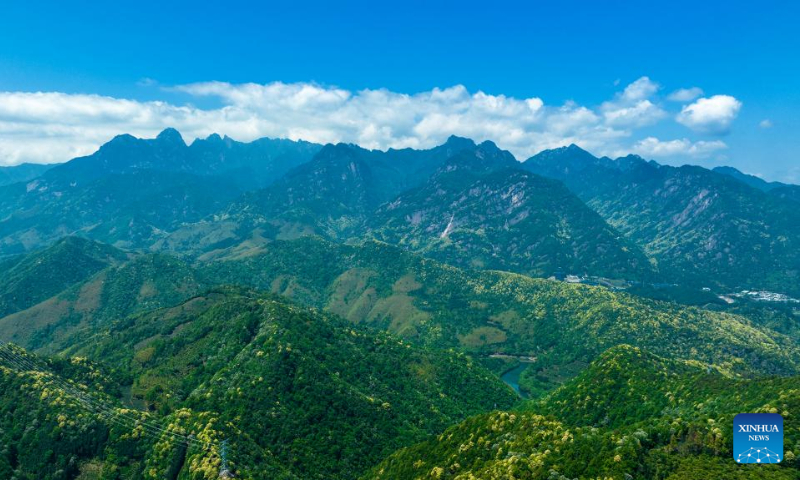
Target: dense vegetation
x: 630, y: 415
x: 480, y: 211
x: 61, y: 420
x: 143, y: 283
x: 495, y: 312
x: 564, y: 326
x: 334, y: 312
x: 326, y: 399
x: 703, y: 228
x: 29, y: 280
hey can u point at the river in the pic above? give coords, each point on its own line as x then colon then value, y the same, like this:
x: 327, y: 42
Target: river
x: 511, y: 378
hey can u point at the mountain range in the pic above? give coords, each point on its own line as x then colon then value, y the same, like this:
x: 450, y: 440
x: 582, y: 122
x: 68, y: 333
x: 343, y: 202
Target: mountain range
x: 470, y: 205
x: 700, y: 227
x: 21, y: 173
x: 281, y: 309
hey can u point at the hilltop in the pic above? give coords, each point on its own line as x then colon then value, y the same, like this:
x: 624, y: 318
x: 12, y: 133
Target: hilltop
x: 629, y: 415
x: 320, y: 397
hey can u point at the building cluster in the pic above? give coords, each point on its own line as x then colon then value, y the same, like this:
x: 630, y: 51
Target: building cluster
x: 764, y: 296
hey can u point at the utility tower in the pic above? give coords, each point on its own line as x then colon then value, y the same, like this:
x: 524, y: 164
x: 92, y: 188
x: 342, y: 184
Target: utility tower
x: 223, y: 468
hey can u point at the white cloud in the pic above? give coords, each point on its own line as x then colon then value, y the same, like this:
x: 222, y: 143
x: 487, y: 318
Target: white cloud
x: 766, y: 123
x: 685, y: 94
x: 710, y: 115
x: 633, y: 107
x: 640, y: 89
x: 639, y: 115
x: 653, y: 147
x: 54, y: 127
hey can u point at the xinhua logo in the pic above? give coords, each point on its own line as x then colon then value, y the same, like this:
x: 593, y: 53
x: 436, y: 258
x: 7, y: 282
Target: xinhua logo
x: 758, y: 438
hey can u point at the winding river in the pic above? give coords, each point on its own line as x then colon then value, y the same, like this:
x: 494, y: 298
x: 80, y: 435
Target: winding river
x: 511, y: 378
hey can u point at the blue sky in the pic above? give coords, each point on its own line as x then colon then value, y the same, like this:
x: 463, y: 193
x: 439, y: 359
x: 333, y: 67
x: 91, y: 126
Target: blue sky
x: 140, y: 66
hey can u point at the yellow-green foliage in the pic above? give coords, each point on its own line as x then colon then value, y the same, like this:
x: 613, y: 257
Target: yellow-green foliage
x: 629, y: 415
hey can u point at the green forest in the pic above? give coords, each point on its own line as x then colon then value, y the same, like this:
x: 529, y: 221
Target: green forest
x: 287, y: 310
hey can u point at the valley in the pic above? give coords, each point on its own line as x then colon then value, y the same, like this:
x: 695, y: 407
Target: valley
x: 334, y: 312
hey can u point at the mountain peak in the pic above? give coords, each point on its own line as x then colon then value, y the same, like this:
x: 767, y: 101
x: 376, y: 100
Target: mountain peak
x: 339, y: 149
x: 485, y: 158
x: 121, y: 139
x: 459, y: 143
x: 170, y: 135
x: 572, y: 149
x: 728, y: 170
x: 570, y: 152
x: 748, y: 179
x: 488, y: 145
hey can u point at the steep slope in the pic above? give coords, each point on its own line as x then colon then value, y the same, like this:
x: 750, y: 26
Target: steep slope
x: 479, y: 211
x: 40, y: 275
x: 783, y: 191
x: 332, y: 195
x: 21, y: 173
x: 788, y: 192
x: 250, y: 165
x: 564, y: 326
x: 484, y: 313
x: 327, y: 399
x: 747, y: 179
x: 132, y: 192
x: 629, y: 415
x: 579, y: 170
x: 703, y: 228
x: 144, y: 283
x: 61, y: 420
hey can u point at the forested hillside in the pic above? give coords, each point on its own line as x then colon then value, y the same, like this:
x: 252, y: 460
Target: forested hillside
x: 629, y: 415
x: 703, y: 228
x: 287, y: 310
x: 563, y: 326
x: 31, y: 279
x: 480, y: 211
x: 325, y: 399
x: 132, y: 192
x: 21, y: 173
x: 145, y: 282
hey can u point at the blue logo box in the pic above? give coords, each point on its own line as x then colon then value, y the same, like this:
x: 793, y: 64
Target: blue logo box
x: 758, y: 438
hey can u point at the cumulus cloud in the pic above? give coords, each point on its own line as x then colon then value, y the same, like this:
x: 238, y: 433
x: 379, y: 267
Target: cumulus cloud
x: 653, y: 147
x: 53, y: 126
x: 710, y: 115
x: 633, y: 106
x: 685, y: 94
x: 766, y: 123
x: 48, y: 127
x: 640, y: 89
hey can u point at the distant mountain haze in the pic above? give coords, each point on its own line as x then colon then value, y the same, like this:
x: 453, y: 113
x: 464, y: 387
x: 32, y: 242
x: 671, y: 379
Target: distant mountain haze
x: 699, y: 226
x: 331, y: 311
x: 470, y: 205
x: 21, y: 173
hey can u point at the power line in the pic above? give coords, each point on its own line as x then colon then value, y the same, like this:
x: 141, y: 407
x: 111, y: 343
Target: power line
x: 102, y: 409
x: 89, y: 402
